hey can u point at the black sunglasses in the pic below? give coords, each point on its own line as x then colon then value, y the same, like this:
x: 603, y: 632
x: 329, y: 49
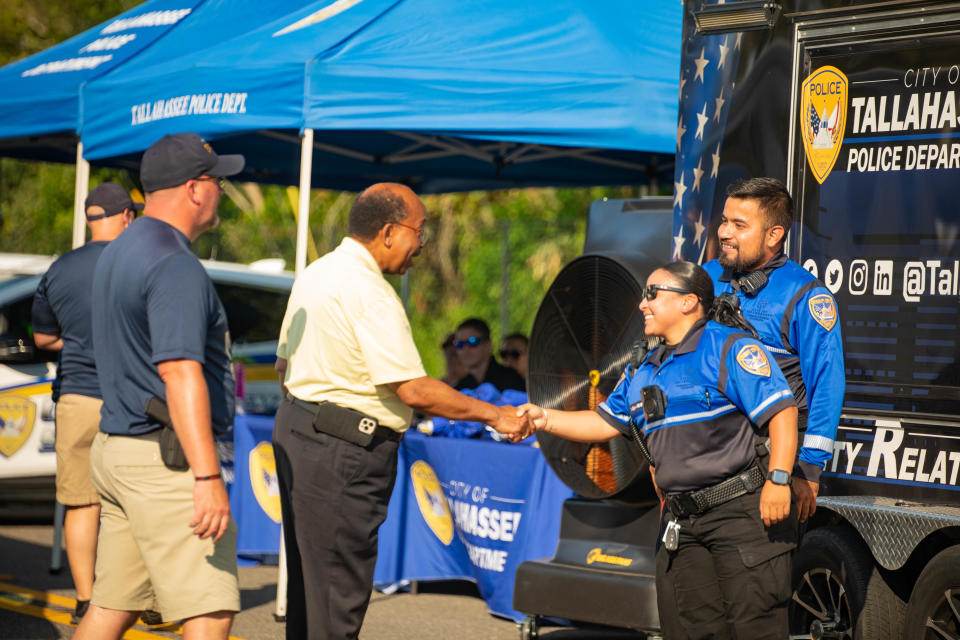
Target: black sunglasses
x: 651, y: 290
x: 472, y: 341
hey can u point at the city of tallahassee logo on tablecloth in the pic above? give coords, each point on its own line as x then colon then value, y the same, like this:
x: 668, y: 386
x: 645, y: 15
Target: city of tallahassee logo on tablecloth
x: 432, y: 502
x: 16, y: 422
x: 754, y: 360
x: 823, y: 117
x: 263, y: 480
x: 824, y: 310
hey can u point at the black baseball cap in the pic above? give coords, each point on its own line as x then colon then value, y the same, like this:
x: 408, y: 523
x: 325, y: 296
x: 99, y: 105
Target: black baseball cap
x: 176, y: 158
x: 112, y: 198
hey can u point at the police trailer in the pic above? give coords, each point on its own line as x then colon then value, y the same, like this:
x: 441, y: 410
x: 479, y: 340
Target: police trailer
x: 856, y: 107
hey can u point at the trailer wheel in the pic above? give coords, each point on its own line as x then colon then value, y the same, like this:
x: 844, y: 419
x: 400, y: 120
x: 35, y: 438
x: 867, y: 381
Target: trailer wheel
x: 838, y: 592
x: 934, y: 609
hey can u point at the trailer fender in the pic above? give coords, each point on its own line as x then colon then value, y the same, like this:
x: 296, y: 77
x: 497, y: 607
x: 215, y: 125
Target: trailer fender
x: 891, y: 527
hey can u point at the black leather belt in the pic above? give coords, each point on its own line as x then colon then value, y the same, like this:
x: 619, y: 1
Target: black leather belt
x: 696, y: 502
x: 346, y: 424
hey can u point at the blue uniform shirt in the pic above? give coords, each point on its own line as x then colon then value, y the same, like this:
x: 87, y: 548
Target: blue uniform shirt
x: 796, y: 318
x: 721, y: 388
x: 61, y: 306
x: 156, y: 303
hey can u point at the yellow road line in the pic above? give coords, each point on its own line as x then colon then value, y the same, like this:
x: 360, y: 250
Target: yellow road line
x: 22, y: 606
x: 63, y: 617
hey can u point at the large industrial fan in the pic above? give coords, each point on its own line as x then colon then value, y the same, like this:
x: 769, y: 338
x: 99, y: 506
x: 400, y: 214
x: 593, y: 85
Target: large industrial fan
x: 581, y: 341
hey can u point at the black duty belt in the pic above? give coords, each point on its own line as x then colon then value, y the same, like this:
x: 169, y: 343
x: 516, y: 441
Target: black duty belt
x: 346, y: 424
x: 696, y: 502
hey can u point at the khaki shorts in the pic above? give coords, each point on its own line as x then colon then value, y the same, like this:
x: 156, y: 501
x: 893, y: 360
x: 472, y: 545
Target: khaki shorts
x: 78, y: 421
x: 147, y: 554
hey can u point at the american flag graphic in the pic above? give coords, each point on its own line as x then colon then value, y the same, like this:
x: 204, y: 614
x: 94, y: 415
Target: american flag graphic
x: 708, y: 72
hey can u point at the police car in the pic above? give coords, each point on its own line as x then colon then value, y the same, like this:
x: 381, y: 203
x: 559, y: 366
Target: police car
x: 254, y: 297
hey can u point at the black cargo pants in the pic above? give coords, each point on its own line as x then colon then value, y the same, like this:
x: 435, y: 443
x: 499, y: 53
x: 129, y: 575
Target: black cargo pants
x: 334, y: 497
x: 729, y: 577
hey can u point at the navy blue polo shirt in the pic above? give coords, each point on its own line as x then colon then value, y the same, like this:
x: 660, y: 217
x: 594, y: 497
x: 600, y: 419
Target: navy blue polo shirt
x: 157, y: 304
x: 61, y: 306
x: 721, y: 386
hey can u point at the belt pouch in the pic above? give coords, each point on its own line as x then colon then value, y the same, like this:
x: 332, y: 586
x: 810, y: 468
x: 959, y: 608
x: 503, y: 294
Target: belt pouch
x: 171, y: 451
x: 346, y: 424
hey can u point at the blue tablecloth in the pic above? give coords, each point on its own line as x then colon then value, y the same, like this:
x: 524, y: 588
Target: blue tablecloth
x: 469, y: 509
x: 254, y: 494
x: 461, y: 509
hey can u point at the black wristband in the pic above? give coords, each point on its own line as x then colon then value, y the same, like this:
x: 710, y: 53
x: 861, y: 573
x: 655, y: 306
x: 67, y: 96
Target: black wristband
x: 215, y: 476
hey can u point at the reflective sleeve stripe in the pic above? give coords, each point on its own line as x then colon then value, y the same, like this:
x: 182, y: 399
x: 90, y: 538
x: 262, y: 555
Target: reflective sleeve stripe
x: 779, y: 350
x: 769, y: 401
x: 822, y: 443
x: 688, y: 417
x: 619, y: 417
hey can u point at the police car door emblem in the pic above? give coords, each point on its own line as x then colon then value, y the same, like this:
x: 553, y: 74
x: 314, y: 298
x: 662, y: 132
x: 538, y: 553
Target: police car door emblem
x: 754, y: 360
x: 823, y: 118
x: 16, y: 422
x: 824, y: 310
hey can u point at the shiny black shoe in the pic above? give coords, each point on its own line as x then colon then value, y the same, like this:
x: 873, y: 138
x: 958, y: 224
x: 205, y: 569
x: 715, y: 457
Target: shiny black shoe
x: 81, y: 608
x: 151, y: 617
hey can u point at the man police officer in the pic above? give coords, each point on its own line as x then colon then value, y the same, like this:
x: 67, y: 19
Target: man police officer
x: 793, y: 313
x: 61, y: 322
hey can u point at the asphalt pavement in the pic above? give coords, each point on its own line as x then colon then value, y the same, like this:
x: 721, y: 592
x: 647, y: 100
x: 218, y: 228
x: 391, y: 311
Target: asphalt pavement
x: 36, y: 605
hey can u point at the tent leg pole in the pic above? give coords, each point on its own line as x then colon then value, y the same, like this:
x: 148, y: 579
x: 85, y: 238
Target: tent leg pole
x: 303, y: 206
x: 80, y: 189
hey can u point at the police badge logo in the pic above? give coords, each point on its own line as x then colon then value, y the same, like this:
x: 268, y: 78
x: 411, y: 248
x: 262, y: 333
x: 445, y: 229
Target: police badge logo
x: 432, y: 502
x: 263, y: 480
x: 824, y: 310
x: 823, y: 118
x: 17, y: 415
x: 753, y: 360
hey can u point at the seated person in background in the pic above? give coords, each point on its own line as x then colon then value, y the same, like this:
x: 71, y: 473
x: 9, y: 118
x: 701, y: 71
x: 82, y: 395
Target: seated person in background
x: 472, y: 340
x: 513, y: 353
x: 455, y: 370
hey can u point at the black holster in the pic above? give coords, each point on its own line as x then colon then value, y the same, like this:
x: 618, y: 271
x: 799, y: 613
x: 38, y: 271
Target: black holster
x: 171, y: 451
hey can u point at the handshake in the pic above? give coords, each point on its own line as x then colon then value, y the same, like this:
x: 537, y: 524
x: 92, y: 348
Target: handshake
x: 519, y: 423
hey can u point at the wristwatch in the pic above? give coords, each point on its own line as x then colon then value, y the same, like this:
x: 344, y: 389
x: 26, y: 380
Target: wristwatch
x: 779, y: 476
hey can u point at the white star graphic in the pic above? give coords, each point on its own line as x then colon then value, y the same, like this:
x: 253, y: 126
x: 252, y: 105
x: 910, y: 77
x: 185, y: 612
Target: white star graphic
x: 716, y: 162
x: 680, y: 131
x: 739, y: 40
x: 697, y: 174
x: 678, y: 241
x: 719, y: 101
x: 679, y: 189
x: 699, y: 228
x: 702, y: 120
x: 701, y: 63
x: 723, y: 53
x: 683, y: 81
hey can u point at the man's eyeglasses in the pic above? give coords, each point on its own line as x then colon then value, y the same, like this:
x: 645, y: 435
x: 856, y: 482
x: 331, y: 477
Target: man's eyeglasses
x: 651, y: 290
x: 214, y: 179
x: 423, y: 234
x: 509, y: 354
x: 472, y: 341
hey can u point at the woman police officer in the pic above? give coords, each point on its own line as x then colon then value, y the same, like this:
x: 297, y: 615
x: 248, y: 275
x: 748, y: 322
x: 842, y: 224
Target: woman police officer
x: 703, y: 401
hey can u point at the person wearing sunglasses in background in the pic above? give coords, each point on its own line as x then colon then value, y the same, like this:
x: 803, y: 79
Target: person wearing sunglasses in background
x: 472, y: 340
x: 513, y: 353
x: 704, y: 403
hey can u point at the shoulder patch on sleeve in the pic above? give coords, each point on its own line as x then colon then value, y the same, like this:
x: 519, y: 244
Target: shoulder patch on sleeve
x: 824, y: 310
x: 752, y: 359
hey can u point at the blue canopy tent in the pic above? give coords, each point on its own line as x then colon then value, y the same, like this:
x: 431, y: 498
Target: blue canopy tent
x: 40, y: 105
x: 443, y: 96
